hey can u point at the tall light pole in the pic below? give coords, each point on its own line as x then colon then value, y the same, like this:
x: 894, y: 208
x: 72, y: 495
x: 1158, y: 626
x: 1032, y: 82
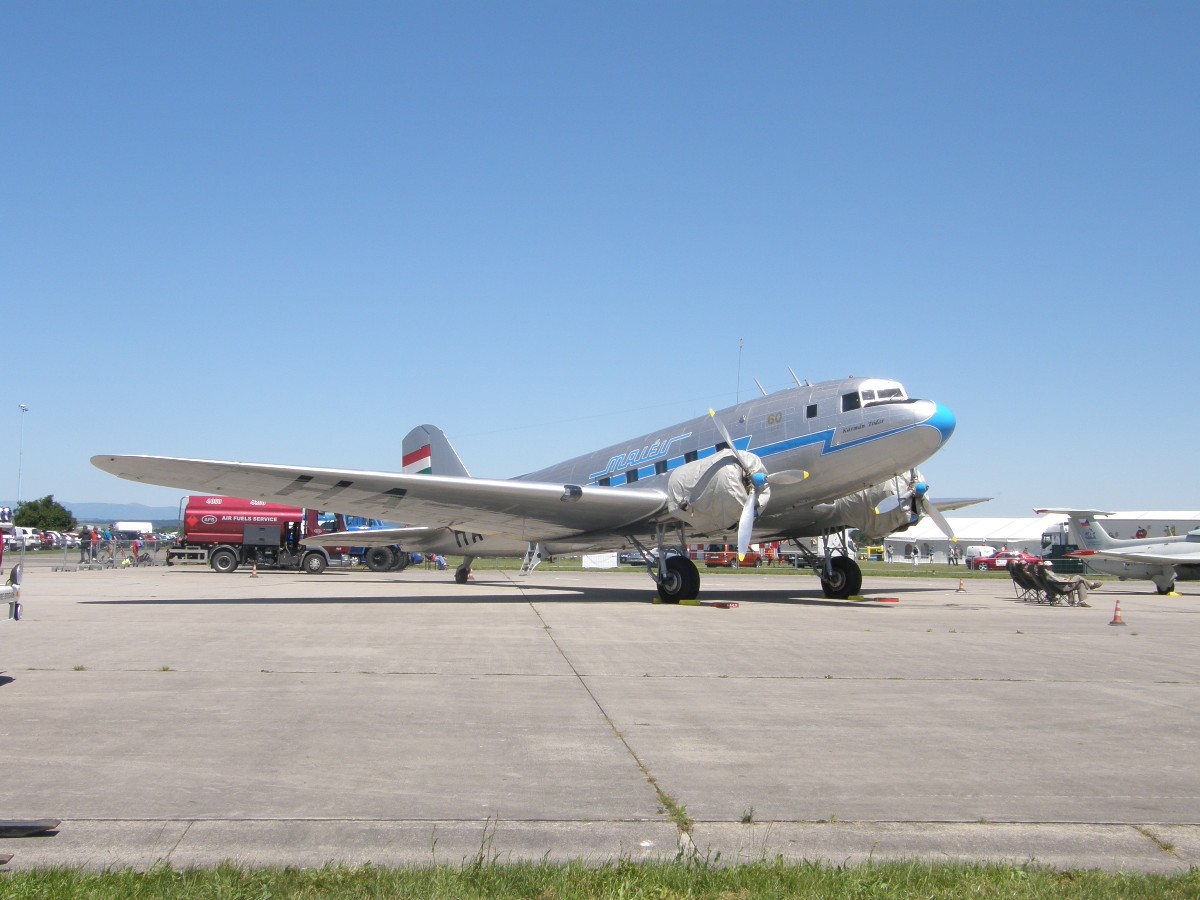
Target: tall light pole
x: 21, y: 450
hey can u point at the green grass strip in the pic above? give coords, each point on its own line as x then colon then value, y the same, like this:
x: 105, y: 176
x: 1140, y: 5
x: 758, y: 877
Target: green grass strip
x: 545, y: 881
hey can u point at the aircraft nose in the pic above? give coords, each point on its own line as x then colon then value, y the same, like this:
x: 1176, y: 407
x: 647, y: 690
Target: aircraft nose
x: 943, y: 420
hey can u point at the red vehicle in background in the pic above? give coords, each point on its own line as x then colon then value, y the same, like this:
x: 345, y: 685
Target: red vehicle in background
x: 725, y: 555
x: 1003, y: 559
x: 227, y: 532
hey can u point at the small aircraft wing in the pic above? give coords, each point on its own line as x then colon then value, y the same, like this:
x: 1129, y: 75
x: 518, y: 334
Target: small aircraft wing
x: 526, y: 509
x: 1181, y: 554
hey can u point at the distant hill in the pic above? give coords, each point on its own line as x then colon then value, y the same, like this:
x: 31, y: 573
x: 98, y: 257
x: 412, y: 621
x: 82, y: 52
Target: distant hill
x: 122, y: 512
x: 163, y: 517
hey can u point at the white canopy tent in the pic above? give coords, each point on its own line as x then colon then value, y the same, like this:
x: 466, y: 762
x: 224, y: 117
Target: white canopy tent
x: 1002, y: 534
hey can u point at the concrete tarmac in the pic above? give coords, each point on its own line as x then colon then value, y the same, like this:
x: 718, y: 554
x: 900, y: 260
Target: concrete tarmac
x: 182, y: 716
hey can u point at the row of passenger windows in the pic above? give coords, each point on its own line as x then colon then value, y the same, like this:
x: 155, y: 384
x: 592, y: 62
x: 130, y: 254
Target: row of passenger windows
x: 660, y: 467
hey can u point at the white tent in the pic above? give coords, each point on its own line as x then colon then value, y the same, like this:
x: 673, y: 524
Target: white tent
x: 1002, y: 534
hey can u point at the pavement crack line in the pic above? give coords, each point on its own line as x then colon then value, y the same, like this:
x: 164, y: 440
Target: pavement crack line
x: 673, y: 808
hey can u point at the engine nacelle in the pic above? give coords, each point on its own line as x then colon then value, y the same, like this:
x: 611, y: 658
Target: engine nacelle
x: 878, y: 510
x: 709, y: 494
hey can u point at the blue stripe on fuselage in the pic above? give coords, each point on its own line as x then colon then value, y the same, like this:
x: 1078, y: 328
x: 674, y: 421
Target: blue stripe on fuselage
x: 942, y: 420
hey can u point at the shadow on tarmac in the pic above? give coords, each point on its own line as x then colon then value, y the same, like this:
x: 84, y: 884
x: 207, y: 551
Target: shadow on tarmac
x: 488, y: 593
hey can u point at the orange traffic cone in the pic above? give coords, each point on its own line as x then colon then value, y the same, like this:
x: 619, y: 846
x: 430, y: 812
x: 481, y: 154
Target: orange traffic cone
x: 961, y: 588
x: 1116, y: 619
x: 254, y: 569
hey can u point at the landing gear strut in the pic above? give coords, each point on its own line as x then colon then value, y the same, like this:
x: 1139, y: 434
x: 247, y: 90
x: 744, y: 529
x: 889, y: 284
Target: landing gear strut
x: 675, y: 575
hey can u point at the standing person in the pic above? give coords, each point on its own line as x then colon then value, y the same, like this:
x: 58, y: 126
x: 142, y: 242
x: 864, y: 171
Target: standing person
x: 85, y: 543
x: 95, y: 544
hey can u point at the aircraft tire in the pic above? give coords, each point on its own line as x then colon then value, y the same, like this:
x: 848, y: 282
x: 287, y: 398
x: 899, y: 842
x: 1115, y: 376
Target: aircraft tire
x: 844, y: 579
x: 691, y: 577
x: 379, y: 559
x: 1165, y: 590
x: 681, y: 582
x: 460, y: 575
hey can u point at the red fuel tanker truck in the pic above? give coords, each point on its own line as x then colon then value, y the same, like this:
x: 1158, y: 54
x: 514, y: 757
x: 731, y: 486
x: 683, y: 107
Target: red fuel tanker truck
x: 227, y: 532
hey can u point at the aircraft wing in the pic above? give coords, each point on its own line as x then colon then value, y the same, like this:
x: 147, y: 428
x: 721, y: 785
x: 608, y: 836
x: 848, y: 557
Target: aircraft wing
x: 944, y: 503
x: 524, y: 509
x: 1181, y: 554
x: 372, y: 537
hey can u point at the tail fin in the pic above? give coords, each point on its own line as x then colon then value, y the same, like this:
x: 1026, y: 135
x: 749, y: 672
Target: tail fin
x: 1085, y: 530
x: 427, y: 451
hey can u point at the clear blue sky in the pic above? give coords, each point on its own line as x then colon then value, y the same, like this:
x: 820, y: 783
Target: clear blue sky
x: 289, y: 232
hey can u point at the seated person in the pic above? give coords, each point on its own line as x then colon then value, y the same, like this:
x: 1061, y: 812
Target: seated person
x: 1074, y: 585
x: 1026, y: 581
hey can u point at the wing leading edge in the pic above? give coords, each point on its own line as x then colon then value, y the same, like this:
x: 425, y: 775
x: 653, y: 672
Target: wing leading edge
x: 528, y: 510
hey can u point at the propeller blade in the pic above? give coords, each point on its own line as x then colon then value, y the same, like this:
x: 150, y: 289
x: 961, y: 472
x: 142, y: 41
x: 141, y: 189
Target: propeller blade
x: 746, y: 525
x: 737, y: 454
x: 936, y: 514
x: 922, y: 504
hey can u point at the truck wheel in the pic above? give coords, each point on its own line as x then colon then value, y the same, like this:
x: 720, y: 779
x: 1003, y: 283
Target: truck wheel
x: 379, y: 559
x: 223, y: 561
x: 400, y: 561
x: 314, y: 563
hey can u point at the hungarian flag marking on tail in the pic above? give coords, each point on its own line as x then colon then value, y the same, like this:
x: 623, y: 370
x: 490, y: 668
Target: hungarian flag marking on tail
x: 419, y: 462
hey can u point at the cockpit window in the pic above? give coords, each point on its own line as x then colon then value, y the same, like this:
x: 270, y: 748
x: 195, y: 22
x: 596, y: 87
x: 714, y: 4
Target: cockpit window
x: 878, y: 391
x: 874, y: 392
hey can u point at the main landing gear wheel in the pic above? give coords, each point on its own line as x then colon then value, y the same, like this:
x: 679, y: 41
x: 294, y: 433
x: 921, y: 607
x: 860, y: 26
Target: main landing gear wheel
x: 681, y: 582
x: 844, y: 578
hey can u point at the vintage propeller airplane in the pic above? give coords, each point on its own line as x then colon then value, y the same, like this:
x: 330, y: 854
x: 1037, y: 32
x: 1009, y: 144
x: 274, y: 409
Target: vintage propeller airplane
x: 811, y: 460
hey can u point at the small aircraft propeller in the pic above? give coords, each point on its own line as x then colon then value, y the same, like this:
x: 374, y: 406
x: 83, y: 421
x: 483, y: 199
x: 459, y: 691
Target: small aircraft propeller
x: 756, y: 483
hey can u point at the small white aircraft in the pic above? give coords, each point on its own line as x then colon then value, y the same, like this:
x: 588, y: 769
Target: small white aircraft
x: 1160, y: 560
x: 808, y: 461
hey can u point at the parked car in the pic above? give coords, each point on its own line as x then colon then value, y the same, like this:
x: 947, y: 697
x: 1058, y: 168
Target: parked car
x: 725, y: 555
x: 30, y: 537
x: 1002, y: 559
x: 635, y: 558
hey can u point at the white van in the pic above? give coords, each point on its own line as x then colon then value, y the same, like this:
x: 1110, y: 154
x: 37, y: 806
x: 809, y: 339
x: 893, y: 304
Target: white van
x: 27, y: 537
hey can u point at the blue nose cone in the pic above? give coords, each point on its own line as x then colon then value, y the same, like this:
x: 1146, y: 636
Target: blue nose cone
x: 943, y: 420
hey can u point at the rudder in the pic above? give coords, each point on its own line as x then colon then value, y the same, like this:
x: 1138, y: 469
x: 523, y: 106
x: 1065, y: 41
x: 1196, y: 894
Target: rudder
x: 427, y: 451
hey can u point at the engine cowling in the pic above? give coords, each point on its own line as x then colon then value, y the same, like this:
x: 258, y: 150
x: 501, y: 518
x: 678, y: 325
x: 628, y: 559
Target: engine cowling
x: 710, y: 494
